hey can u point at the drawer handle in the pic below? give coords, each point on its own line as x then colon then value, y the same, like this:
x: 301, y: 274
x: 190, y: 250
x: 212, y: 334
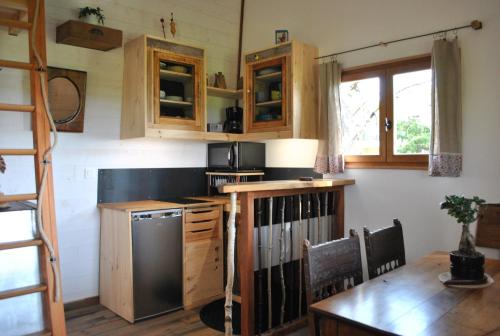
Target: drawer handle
x: 199, y: 231
x: 96, y: 31
x: 201, y: 221
x: 201, y: 211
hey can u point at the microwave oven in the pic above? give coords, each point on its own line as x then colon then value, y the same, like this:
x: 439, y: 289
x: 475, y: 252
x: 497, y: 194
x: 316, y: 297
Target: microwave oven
x: 236, y: 156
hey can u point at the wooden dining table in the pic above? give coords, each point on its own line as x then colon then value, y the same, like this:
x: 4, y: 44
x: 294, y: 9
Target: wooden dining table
x: 412, y: 301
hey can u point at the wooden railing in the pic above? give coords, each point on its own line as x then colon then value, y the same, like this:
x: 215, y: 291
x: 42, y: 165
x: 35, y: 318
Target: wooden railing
x: 275, y: 218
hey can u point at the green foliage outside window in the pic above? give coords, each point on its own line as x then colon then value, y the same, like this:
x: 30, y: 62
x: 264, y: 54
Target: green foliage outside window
x: 413, y: 137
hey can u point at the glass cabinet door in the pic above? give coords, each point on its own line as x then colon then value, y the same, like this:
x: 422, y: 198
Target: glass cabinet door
x: 267, y: 94
x: 177, y: 91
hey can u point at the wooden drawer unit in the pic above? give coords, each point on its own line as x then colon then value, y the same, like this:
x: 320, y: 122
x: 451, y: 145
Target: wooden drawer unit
x: 202, y: 223
x: 203, y: 267
x: 202, y: 214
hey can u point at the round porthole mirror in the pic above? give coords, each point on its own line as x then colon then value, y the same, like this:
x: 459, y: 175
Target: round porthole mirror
x: 64, y: 100
x: 67, y: 98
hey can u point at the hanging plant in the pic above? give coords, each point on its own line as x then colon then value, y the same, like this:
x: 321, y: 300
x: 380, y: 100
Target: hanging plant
x: 89, y: 11
x: 3, y: 165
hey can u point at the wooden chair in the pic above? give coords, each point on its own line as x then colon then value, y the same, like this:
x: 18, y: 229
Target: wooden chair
x: 385, y: 249
x: 488, y: 226
x: 331, y: 268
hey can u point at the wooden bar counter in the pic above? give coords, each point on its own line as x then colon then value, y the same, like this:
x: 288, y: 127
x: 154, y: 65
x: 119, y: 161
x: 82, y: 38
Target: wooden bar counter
x: 292, y: 190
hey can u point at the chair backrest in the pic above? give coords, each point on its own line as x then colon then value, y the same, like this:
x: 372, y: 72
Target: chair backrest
x: 332, y: 267
x: 385, y: 249
x: 488, y: 226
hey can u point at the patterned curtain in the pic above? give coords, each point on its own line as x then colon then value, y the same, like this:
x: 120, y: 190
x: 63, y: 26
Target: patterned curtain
x: 329, y: 158
x: 445, y: 157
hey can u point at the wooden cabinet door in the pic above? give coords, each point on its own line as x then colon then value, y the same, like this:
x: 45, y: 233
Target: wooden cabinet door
x: 203, y: 273
x: 267, y: 102
x: 178, y: 93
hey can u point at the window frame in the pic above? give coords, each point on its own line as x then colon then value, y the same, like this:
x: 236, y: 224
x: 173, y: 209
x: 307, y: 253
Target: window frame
x: 385, y: 71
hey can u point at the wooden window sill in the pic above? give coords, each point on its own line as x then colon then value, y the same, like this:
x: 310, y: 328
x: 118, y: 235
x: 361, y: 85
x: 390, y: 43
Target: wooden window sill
x: 387, y: 165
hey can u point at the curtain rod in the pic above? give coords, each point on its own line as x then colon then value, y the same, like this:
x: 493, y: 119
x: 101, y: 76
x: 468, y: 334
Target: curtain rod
x: 476, y: 25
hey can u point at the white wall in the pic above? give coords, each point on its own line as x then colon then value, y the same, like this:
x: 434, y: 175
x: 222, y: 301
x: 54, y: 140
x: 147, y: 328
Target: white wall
x: 212, y: 24
x: 412, y: 196
x: 378, y: 196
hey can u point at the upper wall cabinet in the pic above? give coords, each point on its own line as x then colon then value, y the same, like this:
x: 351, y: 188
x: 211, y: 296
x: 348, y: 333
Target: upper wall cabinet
x: 163, y: 88
x: 178, y: 98
x: 164, y: 92
x: 281, y: 93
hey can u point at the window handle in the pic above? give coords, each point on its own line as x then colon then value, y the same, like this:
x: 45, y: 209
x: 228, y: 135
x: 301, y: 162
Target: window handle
x: 388, y: 124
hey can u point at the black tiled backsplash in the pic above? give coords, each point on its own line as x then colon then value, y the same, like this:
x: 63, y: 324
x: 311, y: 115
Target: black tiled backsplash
x: 122, y: 185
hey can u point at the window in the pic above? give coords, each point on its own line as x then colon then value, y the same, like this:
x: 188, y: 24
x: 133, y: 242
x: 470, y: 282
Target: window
x: 386, y: 114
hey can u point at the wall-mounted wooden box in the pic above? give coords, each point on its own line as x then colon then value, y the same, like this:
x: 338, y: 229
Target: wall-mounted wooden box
x: 81, y: 34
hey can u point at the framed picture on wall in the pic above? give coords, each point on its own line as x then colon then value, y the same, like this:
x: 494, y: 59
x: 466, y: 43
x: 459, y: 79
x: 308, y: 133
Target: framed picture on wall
x: 281, y: 36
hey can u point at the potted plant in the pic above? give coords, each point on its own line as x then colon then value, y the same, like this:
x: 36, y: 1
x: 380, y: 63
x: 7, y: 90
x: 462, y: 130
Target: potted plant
x: 91, y: 15
x: 466, y: 262
x: 3, y: 167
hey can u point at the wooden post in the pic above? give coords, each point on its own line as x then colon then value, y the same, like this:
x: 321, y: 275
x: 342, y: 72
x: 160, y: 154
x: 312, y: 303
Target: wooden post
x: 260, y: 303
x: 301, y: 254
x: 270, y: 264
x: 41, y: 138
x: 246, y: 263
x: 231, y: 239
x: 282, y: 260
x: 339, y: 214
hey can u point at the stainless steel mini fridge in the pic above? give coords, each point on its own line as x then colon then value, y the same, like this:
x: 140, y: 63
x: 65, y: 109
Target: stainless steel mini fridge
x: 157, y: 262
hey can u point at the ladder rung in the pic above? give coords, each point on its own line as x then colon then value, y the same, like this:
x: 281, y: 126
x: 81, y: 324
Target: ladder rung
x: 40, y: 333
x: 18, y: 198
x: 16, y: 107
x: 15, y: 24
x: 20, y: 244
x: 16, y: 65
x: 17, y: 151
x: 22, y: 291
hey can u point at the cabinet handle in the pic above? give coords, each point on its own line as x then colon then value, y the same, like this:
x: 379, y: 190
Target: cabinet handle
x: 96, y: 31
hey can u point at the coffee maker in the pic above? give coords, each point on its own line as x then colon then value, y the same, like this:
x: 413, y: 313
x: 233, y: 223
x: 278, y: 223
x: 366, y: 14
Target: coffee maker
x: 234, y: 120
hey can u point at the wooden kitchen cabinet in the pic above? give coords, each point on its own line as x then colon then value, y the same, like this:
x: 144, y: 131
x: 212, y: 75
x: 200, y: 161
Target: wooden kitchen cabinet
x: 281, y: 91
x: 163, y: 88
x: 178, y: 100
x: 164, y: 92
x: 201, y: 280
x: 203, y: 253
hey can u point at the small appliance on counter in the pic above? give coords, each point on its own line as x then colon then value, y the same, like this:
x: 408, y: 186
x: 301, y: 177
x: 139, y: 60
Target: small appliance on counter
x: 236, y: 156
x: 214, y: 127
x: 234, y: 120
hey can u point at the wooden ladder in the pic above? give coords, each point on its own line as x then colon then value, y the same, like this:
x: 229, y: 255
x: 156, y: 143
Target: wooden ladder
x: 12, y: 13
